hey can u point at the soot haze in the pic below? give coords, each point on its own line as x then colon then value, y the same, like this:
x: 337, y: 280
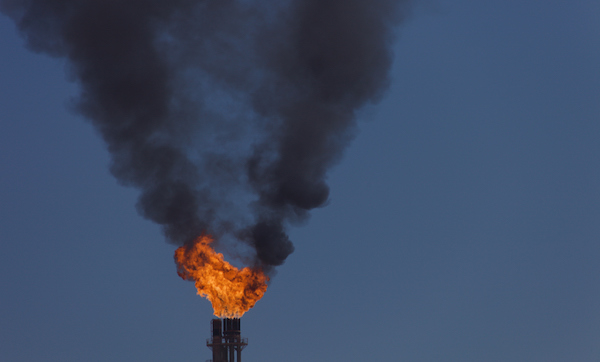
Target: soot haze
x: 226, y: 114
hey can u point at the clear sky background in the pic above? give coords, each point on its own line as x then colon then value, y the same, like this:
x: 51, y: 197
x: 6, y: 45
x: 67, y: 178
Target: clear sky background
x: 464, y: 221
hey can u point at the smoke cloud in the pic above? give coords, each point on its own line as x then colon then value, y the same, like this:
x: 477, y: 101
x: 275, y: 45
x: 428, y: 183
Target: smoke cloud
x: 225, y: 114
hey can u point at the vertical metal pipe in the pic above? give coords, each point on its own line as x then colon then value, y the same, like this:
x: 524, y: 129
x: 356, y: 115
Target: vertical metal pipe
x: 226, y: 342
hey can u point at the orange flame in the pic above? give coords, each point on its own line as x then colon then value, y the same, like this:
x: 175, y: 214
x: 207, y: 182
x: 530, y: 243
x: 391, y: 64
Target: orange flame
x: 232, y: 292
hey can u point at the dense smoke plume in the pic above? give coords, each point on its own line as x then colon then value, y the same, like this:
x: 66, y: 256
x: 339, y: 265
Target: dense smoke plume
x: 225, y: 114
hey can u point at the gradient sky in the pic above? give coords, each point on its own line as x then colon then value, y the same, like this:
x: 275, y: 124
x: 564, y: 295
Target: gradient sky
x: 463, y: 225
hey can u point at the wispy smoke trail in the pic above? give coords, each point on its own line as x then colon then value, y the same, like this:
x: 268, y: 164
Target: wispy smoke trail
x: 226, y: 114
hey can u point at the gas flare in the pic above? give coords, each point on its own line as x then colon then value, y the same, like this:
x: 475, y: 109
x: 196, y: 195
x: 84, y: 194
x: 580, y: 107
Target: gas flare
x: 231, y: 291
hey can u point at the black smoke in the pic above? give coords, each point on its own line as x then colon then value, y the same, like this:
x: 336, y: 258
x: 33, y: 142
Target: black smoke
x: 225, y: 114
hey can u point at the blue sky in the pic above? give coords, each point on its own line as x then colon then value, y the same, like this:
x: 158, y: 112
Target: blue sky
x: 463, y: 225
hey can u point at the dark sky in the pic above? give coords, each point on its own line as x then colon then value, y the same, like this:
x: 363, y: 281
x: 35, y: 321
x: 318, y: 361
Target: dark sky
x: 463, y: 222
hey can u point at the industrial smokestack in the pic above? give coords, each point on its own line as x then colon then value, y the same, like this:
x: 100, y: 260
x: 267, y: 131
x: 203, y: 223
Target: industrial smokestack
x: 226, y: 342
